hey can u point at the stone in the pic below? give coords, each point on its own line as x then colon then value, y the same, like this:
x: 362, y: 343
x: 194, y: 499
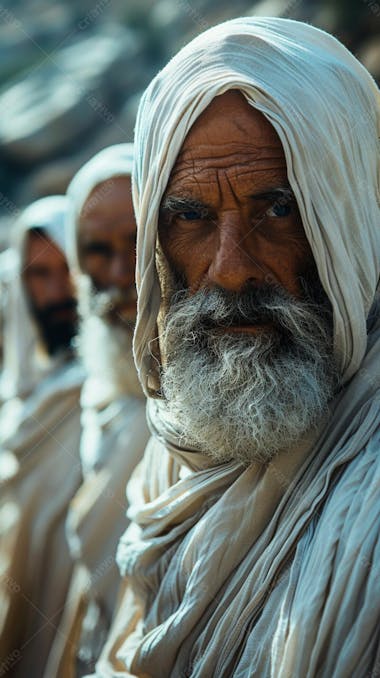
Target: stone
x: 68, y: 95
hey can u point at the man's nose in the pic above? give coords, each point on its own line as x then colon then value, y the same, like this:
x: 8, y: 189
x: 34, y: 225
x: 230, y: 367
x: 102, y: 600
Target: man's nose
x: 233, y: 263
x: 121, y: 271
x: 59, y: 288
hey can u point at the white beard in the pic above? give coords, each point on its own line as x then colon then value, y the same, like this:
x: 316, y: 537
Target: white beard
x: 242, y: 396
x: 106, y: 348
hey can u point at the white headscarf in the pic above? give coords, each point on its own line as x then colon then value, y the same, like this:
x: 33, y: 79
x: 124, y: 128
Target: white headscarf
x: 24, y: 362
x: 114, y: 161
x: 324, y: 106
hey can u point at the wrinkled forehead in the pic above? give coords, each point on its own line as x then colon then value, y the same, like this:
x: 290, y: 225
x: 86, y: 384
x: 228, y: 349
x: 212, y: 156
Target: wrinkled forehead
x: 231, y: 136
x: 231, y: 119
x: 231, y: 149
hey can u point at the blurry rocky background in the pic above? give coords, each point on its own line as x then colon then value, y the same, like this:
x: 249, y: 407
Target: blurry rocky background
x: 71, y: 74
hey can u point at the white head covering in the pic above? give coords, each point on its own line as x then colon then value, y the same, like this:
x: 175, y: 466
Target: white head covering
x: 24, y: 364
x: 324, y: 106
x: 111, y: 162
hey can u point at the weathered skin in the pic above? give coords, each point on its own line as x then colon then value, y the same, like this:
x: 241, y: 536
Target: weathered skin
x: 230, y: 239
x: 107, y: 240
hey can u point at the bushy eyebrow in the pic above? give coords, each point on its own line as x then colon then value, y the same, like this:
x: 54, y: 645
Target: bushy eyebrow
x: 173, y: 203
x: 281, y: 193
x: 93, y: 242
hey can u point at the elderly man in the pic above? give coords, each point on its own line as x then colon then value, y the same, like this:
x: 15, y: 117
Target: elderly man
x: 39, y: 437
x: 256, y: 196
x: 103, y: 236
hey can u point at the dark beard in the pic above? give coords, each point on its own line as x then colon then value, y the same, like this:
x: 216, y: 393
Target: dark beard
x: 57, y: 334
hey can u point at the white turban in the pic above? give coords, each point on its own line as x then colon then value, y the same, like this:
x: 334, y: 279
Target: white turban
x: 324, y: 106
x: 114, y: 161
x: 23, y: 364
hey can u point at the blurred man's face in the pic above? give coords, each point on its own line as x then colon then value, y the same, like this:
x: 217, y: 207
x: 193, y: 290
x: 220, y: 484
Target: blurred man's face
x: 107, y: 250
x: 50, y: 291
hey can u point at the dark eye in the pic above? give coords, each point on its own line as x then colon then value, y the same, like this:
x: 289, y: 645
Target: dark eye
x: 37, y: 272
x: 279, y: 209
x: 97, y: 248
x: 191, y: 215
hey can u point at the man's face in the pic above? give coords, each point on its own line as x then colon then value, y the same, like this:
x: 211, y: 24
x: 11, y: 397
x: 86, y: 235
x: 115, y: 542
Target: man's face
x: 247, y: 339
x: 107, y: 249
x: 228, y: 217
x: 50, y: 291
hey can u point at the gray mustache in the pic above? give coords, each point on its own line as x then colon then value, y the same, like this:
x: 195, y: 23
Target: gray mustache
x: 265, y: 305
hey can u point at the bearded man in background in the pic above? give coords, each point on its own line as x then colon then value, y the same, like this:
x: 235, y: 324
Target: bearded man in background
x: 39, y: 435
x: 103, y: 242
x: 256, y: 192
